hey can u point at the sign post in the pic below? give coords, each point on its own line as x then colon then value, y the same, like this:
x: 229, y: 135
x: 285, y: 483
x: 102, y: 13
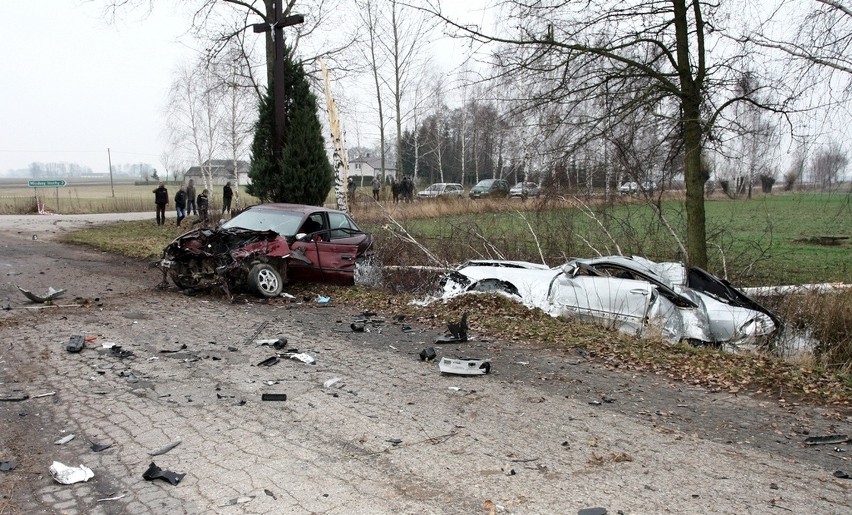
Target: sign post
x: 55, y: 183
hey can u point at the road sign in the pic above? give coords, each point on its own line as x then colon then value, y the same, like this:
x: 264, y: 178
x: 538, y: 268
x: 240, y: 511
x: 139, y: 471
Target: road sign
x: 46, y: 184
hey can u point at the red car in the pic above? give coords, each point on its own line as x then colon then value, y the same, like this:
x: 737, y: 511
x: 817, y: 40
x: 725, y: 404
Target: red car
x: 266, y: 246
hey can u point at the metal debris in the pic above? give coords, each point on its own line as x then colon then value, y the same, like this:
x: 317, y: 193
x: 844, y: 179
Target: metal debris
x: 70, y: 475
x: 155, y: 472
x: 51, y: 294
x: 827, y: 439
x: 164, y: 449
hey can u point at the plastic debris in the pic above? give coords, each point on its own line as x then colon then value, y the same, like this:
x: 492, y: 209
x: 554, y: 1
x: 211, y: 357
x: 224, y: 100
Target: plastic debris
x: 51, y: 294
x: 164, y: 449
x: 273, y: 397
x: 323, y: 300
x: 7, y: 465
x: 122, y: 496
x: 155, y: 472
x: 98, y: 447
x: 70, y: 475
x: 64, y: 439
x: 116, y: 351
x: 182, y: 347
x: 592, y: 511
x: 464, y: 366
x: 48, y: 394
x: 75, y: 343
x: 14, y: 396
x: 268, y: 362
x: 428, y: 354
x: 841, y: 474
x: 299, y: 356
x: 331, y: 382
x: 828, y: 439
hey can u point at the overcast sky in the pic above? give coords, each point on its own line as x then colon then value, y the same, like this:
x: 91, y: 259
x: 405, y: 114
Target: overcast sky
x: 72, y: 85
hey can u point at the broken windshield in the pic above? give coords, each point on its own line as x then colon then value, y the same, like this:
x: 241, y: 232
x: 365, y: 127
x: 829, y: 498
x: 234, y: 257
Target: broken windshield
x: 282, y: 222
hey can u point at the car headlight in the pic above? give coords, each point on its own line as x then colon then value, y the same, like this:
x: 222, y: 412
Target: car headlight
x: 760, y: 325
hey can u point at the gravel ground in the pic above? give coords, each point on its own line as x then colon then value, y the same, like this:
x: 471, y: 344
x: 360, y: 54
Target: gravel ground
x: 546, y: 432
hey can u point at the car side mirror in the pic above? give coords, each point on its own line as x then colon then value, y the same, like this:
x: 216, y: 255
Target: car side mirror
x: 301, y: 236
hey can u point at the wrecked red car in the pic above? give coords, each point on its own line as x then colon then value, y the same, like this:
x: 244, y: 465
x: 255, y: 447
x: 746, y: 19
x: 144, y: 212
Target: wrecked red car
x: 266, y: 246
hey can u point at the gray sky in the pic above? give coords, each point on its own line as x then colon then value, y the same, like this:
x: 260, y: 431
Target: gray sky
x: 72, y: 85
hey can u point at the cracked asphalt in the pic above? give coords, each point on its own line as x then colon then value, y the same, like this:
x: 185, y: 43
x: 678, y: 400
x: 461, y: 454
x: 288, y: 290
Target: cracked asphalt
x: 547, y: 431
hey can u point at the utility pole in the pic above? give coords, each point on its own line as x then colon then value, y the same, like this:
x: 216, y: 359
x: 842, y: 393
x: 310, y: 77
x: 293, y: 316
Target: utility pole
x: 109, y: 158
x: 278, y: 93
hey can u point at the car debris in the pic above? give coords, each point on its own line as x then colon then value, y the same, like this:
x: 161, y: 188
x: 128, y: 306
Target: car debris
x: 464, y: 366
x: 827, y: 439
x: 592, y: 511
x: 48, y: 394
x: 155, y: 472
x: 457, y: 332
x: 268, y: 362
x: 117, y: 351
x: 841, y: 474
x: 6, y: 466
x: 14, y: 396
x: 632, y: 294
x: 164, y: 449
x: 65, y: 439
x: 51, y: 294
x: 273, y: 397
x: 428, y: 354
x: 168, y: 351
x: 299, y: 356
x: 122, y: 496
x: 70, y: 475
x: 98, y: 447
x: 266, y: 246
x: 75, y: 343
x: 331, y: 382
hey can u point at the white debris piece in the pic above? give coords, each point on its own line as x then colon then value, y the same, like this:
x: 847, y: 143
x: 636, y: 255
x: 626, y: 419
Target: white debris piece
x: 70, y: 475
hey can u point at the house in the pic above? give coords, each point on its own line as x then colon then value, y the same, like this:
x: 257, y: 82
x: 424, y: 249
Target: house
x: 221, y: 171
x: 367, y: 166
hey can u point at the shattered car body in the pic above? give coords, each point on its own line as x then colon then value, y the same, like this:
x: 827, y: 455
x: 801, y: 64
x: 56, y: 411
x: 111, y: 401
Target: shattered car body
x: 266, y: 246
x: 632, y: 294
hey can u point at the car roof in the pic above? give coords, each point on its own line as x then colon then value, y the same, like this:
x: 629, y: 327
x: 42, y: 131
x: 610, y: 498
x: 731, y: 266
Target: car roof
x: 292, y: 208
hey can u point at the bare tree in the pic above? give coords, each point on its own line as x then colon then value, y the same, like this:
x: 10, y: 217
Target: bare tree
x: 827, y: 165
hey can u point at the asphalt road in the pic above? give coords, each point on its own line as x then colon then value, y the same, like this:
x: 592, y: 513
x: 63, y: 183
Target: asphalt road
x: 546, y: 432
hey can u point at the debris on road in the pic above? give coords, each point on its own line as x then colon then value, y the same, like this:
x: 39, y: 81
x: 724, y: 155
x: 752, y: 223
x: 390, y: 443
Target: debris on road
x: 273, y: 397
x: 841, y: 474
x: 331, y: 382
x: 592, y: 511
x: 165, y: 351
x: 155, y: 472
x: 164, y: 449
x: 98, y: 447
x: 268, y: 362
x: 116, y: 351
x: 122, y: 496
x: 457, y: 332
x: 464, y: 366
x: 14, y: 396
x: 51, y: 294
x: 75, y: 343
x: 70, y: 475
x: 428, y: 354
x: 48, y: 394
x: 6, y: 466
x: 828, y: 439
x: 299, y: 356
x: 65, y: 439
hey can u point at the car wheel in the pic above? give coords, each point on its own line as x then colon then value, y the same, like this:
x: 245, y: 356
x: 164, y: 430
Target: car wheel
x: 183, y: 276
x: 266, y: 280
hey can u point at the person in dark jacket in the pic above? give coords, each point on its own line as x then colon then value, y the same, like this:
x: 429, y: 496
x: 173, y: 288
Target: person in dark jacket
x: 180, y: 204
x: 203, y: 204
x: 227, y: 195
x: 161, y: 199
x: 190, y: 198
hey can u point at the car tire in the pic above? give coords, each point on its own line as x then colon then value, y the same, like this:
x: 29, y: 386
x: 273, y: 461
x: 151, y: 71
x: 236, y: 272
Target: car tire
x: 266, y: 280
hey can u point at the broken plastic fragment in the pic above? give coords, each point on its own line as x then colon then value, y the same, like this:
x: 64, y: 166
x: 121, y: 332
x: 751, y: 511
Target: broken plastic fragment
x: 273, y: 397
x: 841, y: 474
x: 98, y: 447
x: 51, y: 294
x: 64, y: 439
x: 70, y: 475
x: 331, y: 382
x: 323, y: 300
x: 828, y: 439
x: 75, y: 343
x: 164, y: 449
x: 428, y: 354
x: 7, y: 465
x: 268, y: 362
x: 155, y: 472
x: 463, y: 366
x: 592, y: 511
x: 301, y: 356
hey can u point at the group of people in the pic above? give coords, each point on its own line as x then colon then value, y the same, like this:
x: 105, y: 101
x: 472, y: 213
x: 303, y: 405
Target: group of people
x: 187, y: 202
x: 403, y: 189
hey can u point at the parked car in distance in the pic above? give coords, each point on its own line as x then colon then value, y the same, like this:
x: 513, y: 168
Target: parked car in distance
x: 442, y: 189
x: 525, y: 189
x: 490, y: 188
x: 629, y: 188
x: 266, y: 246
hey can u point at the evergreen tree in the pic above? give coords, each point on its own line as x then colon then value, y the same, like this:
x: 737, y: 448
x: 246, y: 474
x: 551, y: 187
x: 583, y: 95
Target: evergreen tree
x: 303, y: 174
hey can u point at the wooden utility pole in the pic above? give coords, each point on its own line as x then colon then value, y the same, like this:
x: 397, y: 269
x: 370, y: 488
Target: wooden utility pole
x: 278, y: 93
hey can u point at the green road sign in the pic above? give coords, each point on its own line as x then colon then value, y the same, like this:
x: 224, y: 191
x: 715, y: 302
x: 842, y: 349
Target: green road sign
x: 46, y: 184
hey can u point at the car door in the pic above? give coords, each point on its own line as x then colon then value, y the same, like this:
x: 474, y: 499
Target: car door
x: 611, y: 301
x: 304, y: 263
x: 338, y: 249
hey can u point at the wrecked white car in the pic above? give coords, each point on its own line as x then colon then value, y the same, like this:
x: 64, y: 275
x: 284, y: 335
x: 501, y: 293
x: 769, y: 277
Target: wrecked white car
x: 632, y: 294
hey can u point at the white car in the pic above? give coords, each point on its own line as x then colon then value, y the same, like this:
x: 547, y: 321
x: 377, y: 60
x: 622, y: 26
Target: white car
x: 442, y: 189
x: 632, y: 294
x: 629, y: 188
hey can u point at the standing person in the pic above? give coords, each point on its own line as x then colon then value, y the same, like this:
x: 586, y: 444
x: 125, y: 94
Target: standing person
x: 407, y: 188
x: 161, y: 199
x: 377, y: 186
x: 180, y: 204
x: 350, y: 186
x: 203, y: 203
x: 190, y: 198
x: 227, y: 195
x: 395, y: 186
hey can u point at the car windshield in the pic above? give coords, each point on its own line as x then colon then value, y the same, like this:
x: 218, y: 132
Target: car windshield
x: 519, y: 185
x: 435, y: 187
x: 282, y: 222
x: 485, y: 183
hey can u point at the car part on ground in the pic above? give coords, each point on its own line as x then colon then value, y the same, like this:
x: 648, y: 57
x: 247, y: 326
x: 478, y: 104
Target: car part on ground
x: 464, y: 366
x: 265, y: 247
x: 632, y: 294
